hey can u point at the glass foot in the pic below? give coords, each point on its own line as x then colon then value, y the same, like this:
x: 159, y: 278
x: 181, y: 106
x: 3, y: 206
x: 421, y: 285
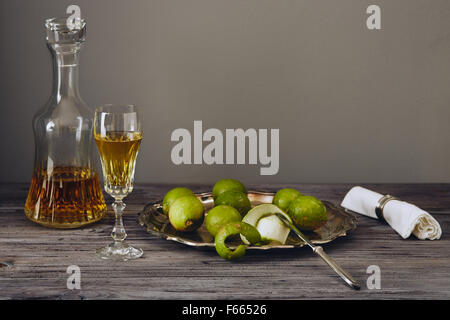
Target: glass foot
x: 119, y: 251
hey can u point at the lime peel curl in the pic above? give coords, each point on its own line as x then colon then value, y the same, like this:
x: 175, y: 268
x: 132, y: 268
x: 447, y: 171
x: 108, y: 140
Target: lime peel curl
x: 234, y: 228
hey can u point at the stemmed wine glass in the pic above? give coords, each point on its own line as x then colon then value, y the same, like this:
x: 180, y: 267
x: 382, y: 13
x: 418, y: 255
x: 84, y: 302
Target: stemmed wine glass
x: 118, y: 135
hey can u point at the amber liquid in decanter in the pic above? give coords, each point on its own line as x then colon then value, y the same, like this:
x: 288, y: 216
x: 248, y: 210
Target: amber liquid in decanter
x: 68, y: 197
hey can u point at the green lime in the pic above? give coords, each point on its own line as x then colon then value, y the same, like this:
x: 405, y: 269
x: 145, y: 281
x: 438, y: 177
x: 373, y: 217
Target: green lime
x: 173, y: 195
x: 220, y: 216
x: 234, y: 228
x: 307, y: 212
x: 284, y: 197
x: 186, y: 213
x: 235, y: 199
x: 226, y: 185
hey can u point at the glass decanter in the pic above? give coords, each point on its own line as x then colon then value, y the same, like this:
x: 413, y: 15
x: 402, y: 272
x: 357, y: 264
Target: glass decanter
x: 65, y: 190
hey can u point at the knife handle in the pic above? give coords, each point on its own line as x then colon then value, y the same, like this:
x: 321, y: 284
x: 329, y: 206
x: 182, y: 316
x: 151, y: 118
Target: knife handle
x: 337, y: 268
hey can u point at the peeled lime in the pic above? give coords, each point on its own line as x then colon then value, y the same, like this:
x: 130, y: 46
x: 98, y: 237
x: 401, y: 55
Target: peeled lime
x: 307, y: 212
x: 186, y: 213
x: 284, y: 197
x: 270, y: 227
x: 226, y: 185
x: 173, y: 195
x: 220, y: 216
x: 235, y: 199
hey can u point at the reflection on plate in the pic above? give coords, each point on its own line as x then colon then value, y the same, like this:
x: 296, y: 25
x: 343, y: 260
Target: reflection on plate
x: 338, y: 224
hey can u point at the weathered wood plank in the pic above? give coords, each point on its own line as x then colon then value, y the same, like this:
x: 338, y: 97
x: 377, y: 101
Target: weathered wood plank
x: 33, y: 259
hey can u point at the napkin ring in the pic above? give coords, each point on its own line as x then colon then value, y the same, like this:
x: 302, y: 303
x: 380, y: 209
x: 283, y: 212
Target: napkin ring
x: 380, y: 206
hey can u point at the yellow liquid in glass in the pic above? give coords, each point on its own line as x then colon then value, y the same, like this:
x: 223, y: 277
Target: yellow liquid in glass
x: 118, y: 152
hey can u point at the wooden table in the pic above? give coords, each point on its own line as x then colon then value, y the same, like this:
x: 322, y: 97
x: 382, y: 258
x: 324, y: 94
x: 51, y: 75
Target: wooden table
x: 34, y: 259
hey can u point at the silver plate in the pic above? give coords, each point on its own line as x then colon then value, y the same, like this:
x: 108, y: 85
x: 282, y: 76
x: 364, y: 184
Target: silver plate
x: 338, y: 224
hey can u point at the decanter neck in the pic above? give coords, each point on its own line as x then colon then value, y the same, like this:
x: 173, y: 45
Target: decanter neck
x: 65, y: 42
x: 66, y: 74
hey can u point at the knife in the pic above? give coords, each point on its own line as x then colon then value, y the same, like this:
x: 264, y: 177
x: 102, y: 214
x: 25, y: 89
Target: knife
x: 349, y: 280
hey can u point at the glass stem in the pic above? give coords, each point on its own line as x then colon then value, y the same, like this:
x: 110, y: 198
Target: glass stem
x: 118, y: 233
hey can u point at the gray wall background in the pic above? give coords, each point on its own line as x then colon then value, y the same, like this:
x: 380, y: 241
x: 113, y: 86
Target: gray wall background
x: 352, y: 105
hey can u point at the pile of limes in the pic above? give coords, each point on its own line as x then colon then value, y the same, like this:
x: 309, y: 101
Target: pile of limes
x: 233, y: 215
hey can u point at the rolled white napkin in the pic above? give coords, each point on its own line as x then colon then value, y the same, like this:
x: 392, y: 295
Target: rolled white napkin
x: 403, y: 217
